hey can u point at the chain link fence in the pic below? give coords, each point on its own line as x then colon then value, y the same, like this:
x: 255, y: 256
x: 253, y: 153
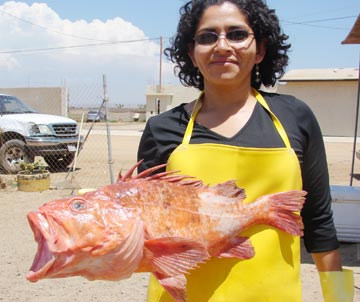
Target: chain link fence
x: 108, y: 140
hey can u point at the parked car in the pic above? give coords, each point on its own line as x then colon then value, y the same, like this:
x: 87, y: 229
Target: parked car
x: 25, y: 133
x: 96, y: 116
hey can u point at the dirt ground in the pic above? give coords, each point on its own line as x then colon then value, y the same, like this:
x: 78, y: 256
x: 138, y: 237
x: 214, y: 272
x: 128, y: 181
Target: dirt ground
x: 18, y: 248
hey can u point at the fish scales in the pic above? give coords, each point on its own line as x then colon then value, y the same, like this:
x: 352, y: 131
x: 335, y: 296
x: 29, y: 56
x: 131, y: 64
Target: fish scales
x: 182, y: 210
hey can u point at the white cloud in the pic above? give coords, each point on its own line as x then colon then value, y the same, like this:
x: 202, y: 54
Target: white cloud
x: 39, y: 28
x: 8, y: 62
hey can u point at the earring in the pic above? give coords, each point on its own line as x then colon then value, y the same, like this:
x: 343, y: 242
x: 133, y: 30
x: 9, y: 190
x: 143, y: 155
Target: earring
x: 257, y: 74
x: 198, y: 77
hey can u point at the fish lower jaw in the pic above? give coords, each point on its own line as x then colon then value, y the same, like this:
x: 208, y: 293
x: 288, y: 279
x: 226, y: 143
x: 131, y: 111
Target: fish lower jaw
x: 36, y: 274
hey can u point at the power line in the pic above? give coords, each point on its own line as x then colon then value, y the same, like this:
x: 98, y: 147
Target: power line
x: 102, y: 42
x: 106, y: 42
x: 50, y: 29
x: 76, y: 46
x: 307, y: 23
x: 330, y: 19
x: 313, y: 25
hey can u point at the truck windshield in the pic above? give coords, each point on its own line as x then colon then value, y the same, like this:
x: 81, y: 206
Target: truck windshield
x: 12, y: 105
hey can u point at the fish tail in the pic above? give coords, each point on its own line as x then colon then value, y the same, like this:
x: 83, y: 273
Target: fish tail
x: 283, y: 211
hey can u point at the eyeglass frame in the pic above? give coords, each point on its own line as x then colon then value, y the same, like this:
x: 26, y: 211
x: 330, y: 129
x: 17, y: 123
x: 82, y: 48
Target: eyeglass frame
x: 223, y: 36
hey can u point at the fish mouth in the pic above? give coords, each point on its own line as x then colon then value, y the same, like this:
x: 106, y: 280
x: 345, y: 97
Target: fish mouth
x: 44, y: 258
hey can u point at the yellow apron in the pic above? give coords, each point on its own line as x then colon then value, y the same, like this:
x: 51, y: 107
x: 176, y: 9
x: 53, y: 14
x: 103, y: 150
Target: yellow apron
x: 273, y: 274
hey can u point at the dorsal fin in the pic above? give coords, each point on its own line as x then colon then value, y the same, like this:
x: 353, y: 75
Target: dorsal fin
x: 129, y: 174
x: 143, y: 174
x: 166, y: 176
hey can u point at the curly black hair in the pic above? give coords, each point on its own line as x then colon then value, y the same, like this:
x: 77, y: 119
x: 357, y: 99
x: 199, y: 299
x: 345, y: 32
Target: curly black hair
x: 262, y: 20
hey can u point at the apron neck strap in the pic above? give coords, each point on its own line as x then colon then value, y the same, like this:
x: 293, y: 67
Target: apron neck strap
x: 259, y: 98
x: 190, y: 126
x: 279, y: 127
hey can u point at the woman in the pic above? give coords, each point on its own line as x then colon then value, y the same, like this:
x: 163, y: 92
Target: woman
x: 267, y: 142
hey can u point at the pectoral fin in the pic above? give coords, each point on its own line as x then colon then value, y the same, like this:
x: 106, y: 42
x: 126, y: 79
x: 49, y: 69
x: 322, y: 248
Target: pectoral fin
x: 173, y: 255
x: 171, y: 258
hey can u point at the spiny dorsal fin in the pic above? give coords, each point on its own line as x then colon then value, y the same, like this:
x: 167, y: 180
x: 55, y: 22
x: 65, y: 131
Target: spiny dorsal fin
x: 143, y: 174
x: 165, y: 176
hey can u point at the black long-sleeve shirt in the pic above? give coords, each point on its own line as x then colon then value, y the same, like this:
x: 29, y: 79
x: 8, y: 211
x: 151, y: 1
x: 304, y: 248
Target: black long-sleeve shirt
x: 164, y: 132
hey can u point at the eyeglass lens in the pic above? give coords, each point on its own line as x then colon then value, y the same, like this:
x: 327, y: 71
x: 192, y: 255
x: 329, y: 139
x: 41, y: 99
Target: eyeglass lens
x: 208, y: 38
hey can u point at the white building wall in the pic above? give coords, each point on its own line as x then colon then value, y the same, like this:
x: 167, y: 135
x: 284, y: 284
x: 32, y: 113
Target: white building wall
x: 169, y: 97
x: 333, y: 103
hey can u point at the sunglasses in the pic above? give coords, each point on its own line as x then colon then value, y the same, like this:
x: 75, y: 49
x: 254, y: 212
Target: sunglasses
x: 233, y: 36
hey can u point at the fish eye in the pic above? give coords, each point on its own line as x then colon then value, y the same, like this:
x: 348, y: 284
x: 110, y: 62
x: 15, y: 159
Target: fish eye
x: 78, y: 204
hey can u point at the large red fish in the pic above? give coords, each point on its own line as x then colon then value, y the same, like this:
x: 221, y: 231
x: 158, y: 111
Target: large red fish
x: 164, y: 223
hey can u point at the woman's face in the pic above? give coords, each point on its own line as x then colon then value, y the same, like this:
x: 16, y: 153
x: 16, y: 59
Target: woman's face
x: 225, y: 62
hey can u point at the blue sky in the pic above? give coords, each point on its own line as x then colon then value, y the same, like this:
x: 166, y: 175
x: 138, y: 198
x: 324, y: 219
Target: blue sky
x: 315, y: 44
x: 316, y: 29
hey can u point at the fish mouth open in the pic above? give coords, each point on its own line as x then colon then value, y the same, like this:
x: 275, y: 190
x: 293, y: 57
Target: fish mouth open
x: 44, y: 258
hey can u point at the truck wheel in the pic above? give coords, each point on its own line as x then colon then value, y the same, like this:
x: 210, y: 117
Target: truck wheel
x: 12, y: 153
x: 59, y: 162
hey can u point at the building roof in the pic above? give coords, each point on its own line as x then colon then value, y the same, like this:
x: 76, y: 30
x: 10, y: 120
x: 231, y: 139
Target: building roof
x: 332, y: 74
x: 354, y: 35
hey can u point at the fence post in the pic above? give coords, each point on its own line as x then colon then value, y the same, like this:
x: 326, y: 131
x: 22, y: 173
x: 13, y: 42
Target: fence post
x: 106, y: 100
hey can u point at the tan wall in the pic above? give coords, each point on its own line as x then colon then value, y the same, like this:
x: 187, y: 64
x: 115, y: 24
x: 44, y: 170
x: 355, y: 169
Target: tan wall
x: 333, y: 103
x: 51, y: 100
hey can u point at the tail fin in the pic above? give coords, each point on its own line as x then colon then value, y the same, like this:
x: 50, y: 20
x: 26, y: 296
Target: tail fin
x: 283, y: 211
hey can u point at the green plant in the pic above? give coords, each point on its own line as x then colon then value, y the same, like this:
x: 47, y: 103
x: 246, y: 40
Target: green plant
x: 32, y: 168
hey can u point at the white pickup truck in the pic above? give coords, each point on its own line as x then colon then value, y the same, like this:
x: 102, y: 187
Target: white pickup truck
x: 25, y: 133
